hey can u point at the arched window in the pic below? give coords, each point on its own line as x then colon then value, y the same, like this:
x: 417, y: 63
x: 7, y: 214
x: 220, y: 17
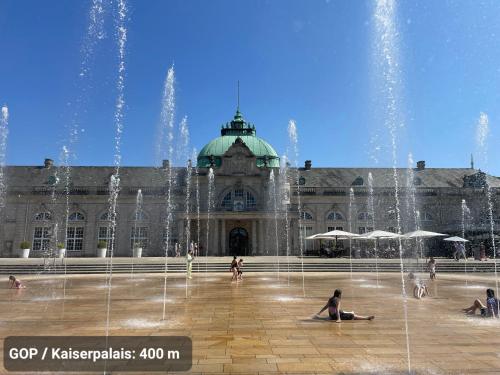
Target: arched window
x: 227, y: 201
x: 238, y: 200
x: 306, y: 216
x: 358, y: 181
x: 364, y: 216
x: 425, y: 216
x: 139, y: 215
x: 250, y: 200
x: 76, y: 216
x: 335, y: 216
x: 43, y: 216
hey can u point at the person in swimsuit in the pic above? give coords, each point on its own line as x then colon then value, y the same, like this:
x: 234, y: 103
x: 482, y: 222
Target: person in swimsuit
x: 432, y: 268
x: 335, y: 313
x: 240, y: 269
x: 488, y: 311
x: 15, y: 283
x: 419, y: 287
x: 234, y: 269
x: 189, y: 264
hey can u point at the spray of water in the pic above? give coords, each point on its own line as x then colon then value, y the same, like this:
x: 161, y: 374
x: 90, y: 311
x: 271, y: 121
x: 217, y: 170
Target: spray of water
x: 294, y: 140
x: 114, y: 184
x: 465, y: 216
x: 210, y: 193
x: 284, y: 203
x: 4, y: 132
x: 411, y: 204
x: 352, y: 208
x: 273, y: 202
x: 137, y: 217
x: 386, y: 50
x: 371, y: 215
x: 189, y: 172
x: 165, y: 147
x: 482, y: 134
x: 197, y: 197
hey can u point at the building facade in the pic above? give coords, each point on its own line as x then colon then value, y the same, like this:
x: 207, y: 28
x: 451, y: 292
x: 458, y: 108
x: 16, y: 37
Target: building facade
x: 253, y: 207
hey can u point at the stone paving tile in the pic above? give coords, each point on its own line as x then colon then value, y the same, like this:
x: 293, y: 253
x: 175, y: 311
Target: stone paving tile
x: 262, y: 326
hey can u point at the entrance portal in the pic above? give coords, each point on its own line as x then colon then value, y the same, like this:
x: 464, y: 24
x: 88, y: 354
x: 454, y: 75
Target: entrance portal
x: 238, y: 242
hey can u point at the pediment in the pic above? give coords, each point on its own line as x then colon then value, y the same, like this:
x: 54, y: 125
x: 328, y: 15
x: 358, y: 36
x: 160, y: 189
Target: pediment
x: 239, y: 160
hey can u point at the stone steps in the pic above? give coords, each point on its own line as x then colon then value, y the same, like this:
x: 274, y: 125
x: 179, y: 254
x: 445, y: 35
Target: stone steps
x: 58, y: 267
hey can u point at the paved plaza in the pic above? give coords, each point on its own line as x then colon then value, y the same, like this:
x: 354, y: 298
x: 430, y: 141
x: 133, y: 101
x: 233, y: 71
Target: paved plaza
x: 264, y: 325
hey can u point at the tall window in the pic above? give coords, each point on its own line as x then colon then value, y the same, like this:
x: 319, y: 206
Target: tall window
x: 42, y: 234
x: 139, y: 237
x: 41, y: 238
x: 307, y: 231
x: 74, y: 232
x: 105, y: 232
x: 74, y: 239
x: 330, y: 229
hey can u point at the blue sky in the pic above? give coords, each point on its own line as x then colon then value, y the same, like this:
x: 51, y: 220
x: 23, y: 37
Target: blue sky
x: 307, y: 60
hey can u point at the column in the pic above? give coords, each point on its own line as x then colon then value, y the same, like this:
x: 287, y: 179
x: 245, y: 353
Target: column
x: 223, y: 238
x: 254, y: 237
x: 261, y: 237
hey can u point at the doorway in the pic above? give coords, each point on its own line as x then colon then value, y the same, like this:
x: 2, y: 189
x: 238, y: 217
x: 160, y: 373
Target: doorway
x: 238, y: 242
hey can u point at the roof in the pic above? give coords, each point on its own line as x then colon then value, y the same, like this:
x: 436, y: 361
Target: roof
x: 384, y: 177
x: 25, y: 176
x: 212, y: 152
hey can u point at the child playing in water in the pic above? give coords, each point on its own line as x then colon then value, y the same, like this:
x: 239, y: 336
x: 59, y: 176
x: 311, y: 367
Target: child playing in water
x: 15, y: 283
x: 234, y: 269
x: 240, y: 269
x: 488, y: 311
x: 189, y: 261
x: 432, y: 268
x: 419, y: 287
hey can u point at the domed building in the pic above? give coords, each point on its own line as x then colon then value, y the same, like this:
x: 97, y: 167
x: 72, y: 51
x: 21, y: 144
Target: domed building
x: 236, y: 200
x: 238, y: 130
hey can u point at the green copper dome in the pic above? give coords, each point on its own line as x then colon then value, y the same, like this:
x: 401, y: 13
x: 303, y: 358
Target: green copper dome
x: 212, y: 153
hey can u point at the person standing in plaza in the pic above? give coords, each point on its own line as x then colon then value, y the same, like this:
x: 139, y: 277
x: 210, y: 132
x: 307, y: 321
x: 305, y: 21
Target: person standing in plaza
x: 431, y: 265
x: 482, y: 251
x: 189, y: 264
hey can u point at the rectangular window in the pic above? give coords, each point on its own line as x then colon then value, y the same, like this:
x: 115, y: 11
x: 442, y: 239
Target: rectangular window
x: 307, y: 231
x: 74, y: 239
x: 105, y: 234
x: 139, y: 237
x: 362, y: 230
x: 41, y: 238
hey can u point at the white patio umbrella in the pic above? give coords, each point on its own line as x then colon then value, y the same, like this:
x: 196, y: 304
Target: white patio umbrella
x: 456, y: 239
x: 377, y: 234
x: 316, y: 236
x: 420, y: 234
x: 337, y: 235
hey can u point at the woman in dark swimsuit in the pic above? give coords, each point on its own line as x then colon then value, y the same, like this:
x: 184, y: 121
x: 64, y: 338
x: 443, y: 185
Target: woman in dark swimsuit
x: 333, y: 306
